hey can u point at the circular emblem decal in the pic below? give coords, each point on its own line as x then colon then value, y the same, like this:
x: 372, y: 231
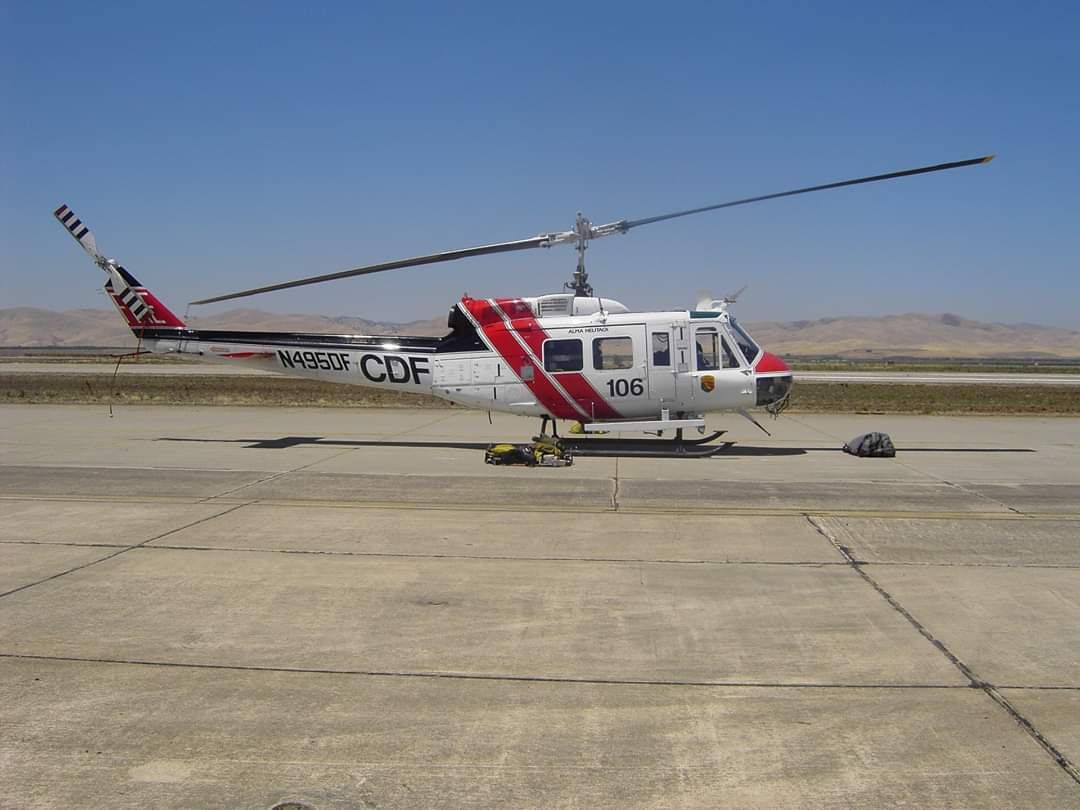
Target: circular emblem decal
x: 708, y: 382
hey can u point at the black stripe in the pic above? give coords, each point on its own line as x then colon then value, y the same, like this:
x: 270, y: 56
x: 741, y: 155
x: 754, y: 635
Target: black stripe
x: 66, y: 217
x: 408, y: 343
x: 126, y: 276
x: 74, y: 225
x: 82, y: 233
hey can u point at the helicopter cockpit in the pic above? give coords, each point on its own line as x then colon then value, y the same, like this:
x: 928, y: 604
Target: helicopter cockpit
x: 746, y: 344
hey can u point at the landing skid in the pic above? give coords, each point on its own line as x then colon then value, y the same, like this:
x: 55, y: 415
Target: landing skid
x: 644, y: 448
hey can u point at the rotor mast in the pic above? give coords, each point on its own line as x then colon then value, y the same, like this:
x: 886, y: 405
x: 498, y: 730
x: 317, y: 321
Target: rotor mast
x: 579, y: 282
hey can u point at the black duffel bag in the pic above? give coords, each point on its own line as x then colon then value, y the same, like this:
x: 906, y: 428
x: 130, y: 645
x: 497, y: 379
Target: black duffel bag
x: 871, y: 445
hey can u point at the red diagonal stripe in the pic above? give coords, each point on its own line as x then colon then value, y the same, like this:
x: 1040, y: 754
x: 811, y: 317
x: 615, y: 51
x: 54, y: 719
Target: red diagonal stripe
x: 576, y: 384
x: 507, y: 346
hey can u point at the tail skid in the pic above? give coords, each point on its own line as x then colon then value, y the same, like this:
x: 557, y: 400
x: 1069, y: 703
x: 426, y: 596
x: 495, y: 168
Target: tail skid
x: 140, y: 307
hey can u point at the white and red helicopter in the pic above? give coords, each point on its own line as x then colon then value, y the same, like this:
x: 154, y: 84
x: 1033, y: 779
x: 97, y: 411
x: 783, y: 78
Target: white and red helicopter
x: 564, y: 356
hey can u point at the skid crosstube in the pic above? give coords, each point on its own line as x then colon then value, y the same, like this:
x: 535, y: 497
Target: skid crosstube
x: 645, y: 448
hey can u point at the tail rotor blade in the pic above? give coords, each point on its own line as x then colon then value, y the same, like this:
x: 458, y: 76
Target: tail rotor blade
x: 79, y: 232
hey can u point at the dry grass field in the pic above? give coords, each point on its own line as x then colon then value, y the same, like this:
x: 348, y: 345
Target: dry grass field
x: 166, y: 389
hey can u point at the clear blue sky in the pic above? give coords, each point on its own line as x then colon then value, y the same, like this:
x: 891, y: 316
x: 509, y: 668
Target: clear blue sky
x: 216, y: 146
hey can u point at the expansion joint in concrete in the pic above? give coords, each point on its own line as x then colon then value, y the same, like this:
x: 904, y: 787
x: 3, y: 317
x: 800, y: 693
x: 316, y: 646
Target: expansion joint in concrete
x: 974, y: 680
x: 489, y: 676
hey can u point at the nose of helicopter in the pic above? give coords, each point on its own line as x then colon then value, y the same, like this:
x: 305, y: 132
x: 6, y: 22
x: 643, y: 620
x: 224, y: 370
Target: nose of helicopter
x: 769, y: 363
x: 773, y: 379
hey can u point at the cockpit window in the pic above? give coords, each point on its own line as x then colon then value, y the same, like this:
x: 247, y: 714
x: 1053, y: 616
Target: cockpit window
x: 708, y: 349
x: 745, y: 342
x: 729, y: 356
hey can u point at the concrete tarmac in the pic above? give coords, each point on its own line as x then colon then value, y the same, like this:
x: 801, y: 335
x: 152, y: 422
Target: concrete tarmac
x: 246, y: 607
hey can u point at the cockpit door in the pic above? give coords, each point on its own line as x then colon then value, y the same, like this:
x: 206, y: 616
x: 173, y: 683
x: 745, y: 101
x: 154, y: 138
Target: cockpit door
x: 662, y: 360
x: 720, y: 378
x: 741, y: 354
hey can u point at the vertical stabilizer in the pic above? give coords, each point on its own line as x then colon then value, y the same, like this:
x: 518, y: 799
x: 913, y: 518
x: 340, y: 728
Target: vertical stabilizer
x: 140, y: 307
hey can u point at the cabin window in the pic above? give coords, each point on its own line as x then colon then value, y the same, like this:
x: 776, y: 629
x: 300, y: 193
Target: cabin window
x: 562, y: 355
x: 612, y: 353
x: 708, y: 349
x: 661, y: 349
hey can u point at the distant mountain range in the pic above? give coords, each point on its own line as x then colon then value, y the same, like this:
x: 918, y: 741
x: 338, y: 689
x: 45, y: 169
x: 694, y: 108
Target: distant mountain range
x: 25, y: 326
x: 912, y: 335
x: 916, y: 335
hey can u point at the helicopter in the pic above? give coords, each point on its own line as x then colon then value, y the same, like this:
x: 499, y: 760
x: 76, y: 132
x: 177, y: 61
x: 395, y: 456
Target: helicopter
x: 570, y: 355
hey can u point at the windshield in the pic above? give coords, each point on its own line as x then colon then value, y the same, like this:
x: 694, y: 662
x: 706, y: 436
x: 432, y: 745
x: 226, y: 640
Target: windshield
x: 746, y: 343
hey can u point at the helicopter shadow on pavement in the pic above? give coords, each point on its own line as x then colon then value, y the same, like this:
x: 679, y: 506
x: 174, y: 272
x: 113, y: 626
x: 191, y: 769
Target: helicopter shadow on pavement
x: 285, y: 442
x: 736, y: 450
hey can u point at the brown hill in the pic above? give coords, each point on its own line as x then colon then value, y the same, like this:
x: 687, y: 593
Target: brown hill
x: 912, y: 335
x: 916, y: 335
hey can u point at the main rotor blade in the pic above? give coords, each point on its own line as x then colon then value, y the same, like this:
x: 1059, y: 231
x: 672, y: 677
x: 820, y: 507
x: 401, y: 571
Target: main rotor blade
x: 940, y: 167
x: 433, y: 258
x: 576, y: 235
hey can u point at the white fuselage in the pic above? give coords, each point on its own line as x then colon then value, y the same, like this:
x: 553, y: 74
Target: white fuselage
x: 500, y: 356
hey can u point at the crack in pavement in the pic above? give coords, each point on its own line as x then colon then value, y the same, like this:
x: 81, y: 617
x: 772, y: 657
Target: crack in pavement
x: 331, y: 457
x: 122, y: 550
x: 965, y: 490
